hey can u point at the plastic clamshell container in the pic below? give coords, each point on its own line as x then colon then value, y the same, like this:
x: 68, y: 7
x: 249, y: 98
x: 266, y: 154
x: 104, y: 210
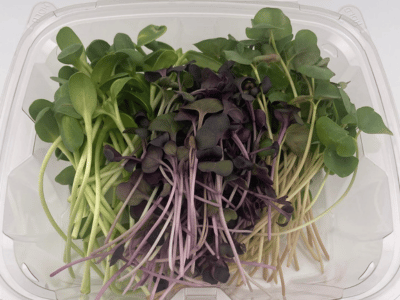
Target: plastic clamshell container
x: 362, y: 234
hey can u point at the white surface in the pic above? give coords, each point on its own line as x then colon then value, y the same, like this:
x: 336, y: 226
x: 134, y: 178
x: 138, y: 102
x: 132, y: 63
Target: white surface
x: 381, y: 18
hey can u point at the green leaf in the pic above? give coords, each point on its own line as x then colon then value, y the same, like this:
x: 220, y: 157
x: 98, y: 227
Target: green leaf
x: 275, y: 73
x: 64, y: 106
x: 123, y: 41
x: 325, y: 89
x: 46, y: 126
x: 161, y: 59
x: 117, y: 87
x: 205, y: 106
x: 223, y: 167
x: 230, y: 214
x: 140, y: 92
x: 239, y: 58
x: 134, y: 56
x: 104, y: 68
x: 71, y: 54
x: 105, y: 87
x: 97, y: 49
x: 66, y: 176
x: 59, y: 80
x: 316, y: 72
x: 127, y: 120
x: 67, y: 37
x: 83, y: 94
x: 279, y: 96
x: 66, y: 72
x: 150, y: 33
x: 349, y: 119
x: 371, y: 122
x: 215, y: 47
x: 333, y: 136
x: 342, y: 166
x: 273, y: 20
x: 166, y: 123
x: 60, y: 156
x: 71, y: 133
x: 203, y: 60
x: 304, y: 39
x: 281, y: 44
x: 296, y: 138
x: 350, y: 107
x: 37, y: 106
x: 157, y: 45
x: 306, y: 49
x: 264, y: 143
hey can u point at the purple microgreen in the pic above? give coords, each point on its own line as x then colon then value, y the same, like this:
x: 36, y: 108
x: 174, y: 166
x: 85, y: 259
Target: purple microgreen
x: 262, y: 174
x: 266, y: 84
x: 117, y: 255
x: 207, y: 277
x: 160, y: 140
x: 204, y: 107
x: 111, y: 154
x: 165, y: 190
x: 170, y: 148
x: 154, y: 178
x: 260, y: 117
x: 210, y: 154
x: 151, y: 160
x: 244, y: 134
x: 235, y: 113
x: 130, y: 166
x: 247, y: 88
x: 142, y: 120
x: 212, y: 131
x: 220, y: 271
x: 242, y: 163
x: 223, y: 167
x: 152, y: 76
x: 137, y: 210
x: 166, y: 123
x: 186, y: 96
x: 135, y: 190
x: 182, y: 153
x: 287, y: 213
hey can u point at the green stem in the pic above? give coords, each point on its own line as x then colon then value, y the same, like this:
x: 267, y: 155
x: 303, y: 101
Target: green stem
x: 284, y: 67
x: 121, y: 127
x: 46, y: 159
x: 307, y: 149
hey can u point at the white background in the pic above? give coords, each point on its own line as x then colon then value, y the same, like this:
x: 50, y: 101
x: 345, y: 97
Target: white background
x: 381, y: 17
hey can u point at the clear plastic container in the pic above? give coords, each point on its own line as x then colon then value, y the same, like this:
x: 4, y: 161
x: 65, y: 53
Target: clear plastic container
x: 362, y: 234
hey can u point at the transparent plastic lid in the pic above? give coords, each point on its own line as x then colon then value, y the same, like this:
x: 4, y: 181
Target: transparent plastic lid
x: 362, y: 234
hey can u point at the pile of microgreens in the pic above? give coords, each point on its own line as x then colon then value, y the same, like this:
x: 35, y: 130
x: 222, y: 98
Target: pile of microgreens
x: 189, y: 167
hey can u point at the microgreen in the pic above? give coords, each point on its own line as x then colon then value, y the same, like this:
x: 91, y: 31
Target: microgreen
x: 185, y: 166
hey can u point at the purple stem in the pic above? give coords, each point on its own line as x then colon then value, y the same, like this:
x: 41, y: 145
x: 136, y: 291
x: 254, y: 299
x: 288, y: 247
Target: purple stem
x: 122, y: 208
x: 228, y: 235
x: 214, y: 221
x: 240, y: 145
x: 153, y: 292
x: 132, y: 231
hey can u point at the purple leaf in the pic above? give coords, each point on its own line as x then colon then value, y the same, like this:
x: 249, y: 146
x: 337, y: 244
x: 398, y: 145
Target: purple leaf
x: 151, y: 160
x: 117, y: 255
x: 111, y: 154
